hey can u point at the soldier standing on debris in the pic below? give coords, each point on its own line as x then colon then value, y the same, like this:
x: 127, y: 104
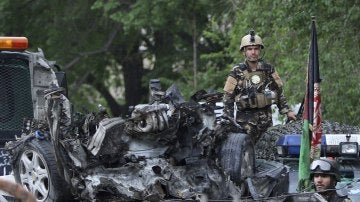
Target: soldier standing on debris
x: 324, y: 174
x: 254, y: 86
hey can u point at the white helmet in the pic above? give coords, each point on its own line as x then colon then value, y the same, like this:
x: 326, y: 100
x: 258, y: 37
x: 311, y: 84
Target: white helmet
x: 251, y: 39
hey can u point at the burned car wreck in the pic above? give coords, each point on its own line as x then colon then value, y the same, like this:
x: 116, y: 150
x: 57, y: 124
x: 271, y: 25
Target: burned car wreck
x: 166, y: 149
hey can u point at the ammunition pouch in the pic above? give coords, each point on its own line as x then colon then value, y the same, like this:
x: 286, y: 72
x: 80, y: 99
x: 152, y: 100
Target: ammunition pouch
x: 259, y: 101
x: 262, y: 100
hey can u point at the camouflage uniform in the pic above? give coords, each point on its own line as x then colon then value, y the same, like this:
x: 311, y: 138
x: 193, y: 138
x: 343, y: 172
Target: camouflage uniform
x: 333, y: 196
x: 253, y: 93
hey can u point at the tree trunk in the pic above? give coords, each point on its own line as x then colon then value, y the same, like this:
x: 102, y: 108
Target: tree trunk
x: 115, y: 108
x: 133, y: 73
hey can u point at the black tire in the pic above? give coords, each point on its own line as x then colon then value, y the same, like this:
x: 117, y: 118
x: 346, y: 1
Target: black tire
x: 237, y: 157
x: 36, y: 169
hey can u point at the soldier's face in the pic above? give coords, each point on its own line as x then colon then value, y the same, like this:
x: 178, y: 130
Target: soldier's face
x: 252, y: 53
x: 322, y: 182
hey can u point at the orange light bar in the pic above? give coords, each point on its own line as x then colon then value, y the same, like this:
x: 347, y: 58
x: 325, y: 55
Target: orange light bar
x: 13, y: 43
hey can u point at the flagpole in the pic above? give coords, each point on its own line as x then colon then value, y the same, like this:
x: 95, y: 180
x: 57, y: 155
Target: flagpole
x: 311, y: 131
x: 316, y: 131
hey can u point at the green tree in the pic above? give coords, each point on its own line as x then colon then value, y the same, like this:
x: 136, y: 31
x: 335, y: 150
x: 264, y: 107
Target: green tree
x: 285, y: 28
x: 88, y: 46
x: 110, y: 49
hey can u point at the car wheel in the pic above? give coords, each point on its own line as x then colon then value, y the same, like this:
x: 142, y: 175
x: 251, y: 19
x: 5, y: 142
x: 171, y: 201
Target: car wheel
x: 36, y: 169
x: 237, y: 157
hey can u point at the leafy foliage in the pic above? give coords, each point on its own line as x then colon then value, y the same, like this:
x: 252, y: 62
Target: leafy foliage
x: 285, y: 28
x: 110, y: 46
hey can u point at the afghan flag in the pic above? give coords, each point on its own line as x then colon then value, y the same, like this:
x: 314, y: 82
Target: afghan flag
x: 311, y: 132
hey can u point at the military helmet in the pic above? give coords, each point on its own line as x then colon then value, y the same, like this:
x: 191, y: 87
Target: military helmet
x: 325, y: 166
x: 53, y: 88
x: 251, y: 39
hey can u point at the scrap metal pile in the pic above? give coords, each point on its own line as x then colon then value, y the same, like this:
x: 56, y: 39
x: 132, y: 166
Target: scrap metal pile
x: 166, y: 149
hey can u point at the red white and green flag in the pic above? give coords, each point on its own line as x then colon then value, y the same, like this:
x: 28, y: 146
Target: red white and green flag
x: 312, y: 129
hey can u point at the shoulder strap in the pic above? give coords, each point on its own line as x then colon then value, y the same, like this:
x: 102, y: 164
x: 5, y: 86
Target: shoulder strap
x: 267, y: 67
x: 240, y: 66
x: 241, y: 72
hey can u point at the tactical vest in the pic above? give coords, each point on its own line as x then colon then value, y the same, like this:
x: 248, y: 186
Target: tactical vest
x: 253, y: 87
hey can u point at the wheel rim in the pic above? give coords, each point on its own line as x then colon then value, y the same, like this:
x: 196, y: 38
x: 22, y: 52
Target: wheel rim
x: 34, y: 174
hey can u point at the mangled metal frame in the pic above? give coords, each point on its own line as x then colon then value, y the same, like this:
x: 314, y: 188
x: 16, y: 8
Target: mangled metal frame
x: 138, y: 158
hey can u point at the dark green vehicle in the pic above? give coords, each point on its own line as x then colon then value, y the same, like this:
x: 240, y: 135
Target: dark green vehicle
x: 23, y: 77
